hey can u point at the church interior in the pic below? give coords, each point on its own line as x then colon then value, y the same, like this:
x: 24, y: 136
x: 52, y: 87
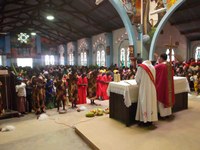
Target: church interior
x: 70, y: 74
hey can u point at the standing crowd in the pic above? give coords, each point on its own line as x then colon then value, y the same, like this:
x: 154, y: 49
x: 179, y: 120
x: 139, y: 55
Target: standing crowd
x: 60, y: 86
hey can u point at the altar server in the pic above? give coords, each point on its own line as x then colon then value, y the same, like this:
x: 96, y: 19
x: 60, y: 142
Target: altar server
x: 147, y: 101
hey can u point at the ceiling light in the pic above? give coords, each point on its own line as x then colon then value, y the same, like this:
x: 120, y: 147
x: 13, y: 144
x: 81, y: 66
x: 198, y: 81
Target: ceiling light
x: 33, y: 33
x: 50, y: 17
x: 23, y: 37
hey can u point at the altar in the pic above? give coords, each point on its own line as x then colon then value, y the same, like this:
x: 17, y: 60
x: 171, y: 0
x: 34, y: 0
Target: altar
x: 124, y: 95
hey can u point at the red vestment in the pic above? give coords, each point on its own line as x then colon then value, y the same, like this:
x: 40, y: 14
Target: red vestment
x: 165, y: 84
x: 99, y: 86
x: 148, y: 72
x: 106, y: 79
x: 82, y: 89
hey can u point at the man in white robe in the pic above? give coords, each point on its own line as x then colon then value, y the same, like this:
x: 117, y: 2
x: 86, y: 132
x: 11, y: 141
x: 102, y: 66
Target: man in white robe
x: 147, y: 99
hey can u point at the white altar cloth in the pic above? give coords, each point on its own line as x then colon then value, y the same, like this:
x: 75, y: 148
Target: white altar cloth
x: 129, y: 89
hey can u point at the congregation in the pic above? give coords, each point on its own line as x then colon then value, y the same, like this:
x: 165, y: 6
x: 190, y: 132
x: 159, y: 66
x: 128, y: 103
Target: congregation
x: 41, y: 88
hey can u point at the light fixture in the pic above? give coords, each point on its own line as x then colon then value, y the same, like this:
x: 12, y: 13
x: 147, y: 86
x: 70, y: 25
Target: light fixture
x: 23, y: 37
x: 33, y: 33
x: 50, y: 17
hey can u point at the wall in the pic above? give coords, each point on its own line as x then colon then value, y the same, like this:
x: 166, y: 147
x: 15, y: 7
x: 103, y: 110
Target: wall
x: 2, y: 44
x: 163, y: 39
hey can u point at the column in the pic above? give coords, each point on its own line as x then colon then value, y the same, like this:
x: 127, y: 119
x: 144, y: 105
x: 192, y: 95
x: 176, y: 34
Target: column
x: 109, y: 49
x: 38, y: 59
x: 89, y: 52
x: 8, y: 49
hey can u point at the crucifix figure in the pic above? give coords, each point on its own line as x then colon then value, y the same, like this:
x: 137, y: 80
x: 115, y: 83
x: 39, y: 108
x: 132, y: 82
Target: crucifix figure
x: 170, y: 46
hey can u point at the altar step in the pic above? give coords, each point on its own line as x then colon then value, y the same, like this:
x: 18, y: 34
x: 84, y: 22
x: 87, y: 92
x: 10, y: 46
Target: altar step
x: 105, y: 133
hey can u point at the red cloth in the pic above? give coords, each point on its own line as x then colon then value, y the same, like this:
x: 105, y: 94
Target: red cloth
x: 148, y: 72
x: 106, y: 79
x: 99, y: 86
x: 82, y: 89
x: 165, y: 84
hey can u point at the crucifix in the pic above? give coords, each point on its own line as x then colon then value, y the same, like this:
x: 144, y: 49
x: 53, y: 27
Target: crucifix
x: 170, y: 46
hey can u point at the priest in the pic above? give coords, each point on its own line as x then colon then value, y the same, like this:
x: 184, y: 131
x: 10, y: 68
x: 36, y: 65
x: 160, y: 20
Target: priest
x: 147, y: 101
x: 164, y: 86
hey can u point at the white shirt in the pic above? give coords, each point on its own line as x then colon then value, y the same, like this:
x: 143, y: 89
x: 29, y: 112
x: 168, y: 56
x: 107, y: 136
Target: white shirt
x: 21, y: 89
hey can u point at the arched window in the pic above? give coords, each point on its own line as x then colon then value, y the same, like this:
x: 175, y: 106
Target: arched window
x: 168, y: 57
x: 103, y: 58
x: 62, y: 61
x: 124, y: 57
x: 197, y: 53
x: 52, y: 60
x: 101, y: 55
x: 71, y: 59
x: 98, y: 58
x: 49, y: 60
x: 83, y: 58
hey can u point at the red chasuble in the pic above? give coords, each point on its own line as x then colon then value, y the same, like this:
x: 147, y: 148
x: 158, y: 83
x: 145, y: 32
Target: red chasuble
x: 165, y: 84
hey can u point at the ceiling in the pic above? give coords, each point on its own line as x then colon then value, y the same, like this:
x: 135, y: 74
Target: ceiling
x: 74, y: 19
x: 187, y: 19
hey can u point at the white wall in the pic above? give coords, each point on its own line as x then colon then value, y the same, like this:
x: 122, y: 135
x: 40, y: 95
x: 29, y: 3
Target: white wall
x: 163, y: 39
